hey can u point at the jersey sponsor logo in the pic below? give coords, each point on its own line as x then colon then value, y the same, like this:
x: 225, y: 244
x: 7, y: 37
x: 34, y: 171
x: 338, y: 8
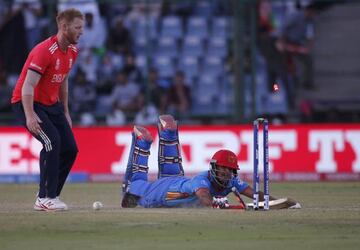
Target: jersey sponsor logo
x: 35, y: 66
x: 58, y: 78
x: 57, y: 64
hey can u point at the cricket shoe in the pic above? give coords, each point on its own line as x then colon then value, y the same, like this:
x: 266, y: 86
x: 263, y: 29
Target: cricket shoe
x: 129, y: 200
x: 38, y: 204
x: 47, y: 204
x: 60, y: 201
x: 167, y: 122
x: 142, y: 133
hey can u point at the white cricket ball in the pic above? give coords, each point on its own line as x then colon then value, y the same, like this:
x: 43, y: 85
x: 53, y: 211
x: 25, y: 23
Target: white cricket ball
x: 97, y: 205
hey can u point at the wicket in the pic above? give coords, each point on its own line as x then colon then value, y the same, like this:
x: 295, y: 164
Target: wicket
x: 256, y: 176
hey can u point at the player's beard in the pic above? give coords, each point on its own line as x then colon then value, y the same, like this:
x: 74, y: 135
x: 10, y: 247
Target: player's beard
x: 71, y: 38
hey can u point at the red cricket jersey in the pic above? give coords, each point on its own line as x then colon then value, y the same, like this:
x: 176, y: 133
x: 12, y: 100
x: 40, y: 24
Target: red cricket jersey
x: 52, y: 64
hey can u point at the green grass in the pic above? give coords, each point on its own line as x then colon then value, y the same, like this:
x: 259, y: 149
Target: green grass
x: 329, y: 219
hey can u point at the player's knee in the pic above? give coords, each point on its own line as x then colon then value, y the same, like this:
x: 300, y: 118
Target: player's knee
x: 51, y: 142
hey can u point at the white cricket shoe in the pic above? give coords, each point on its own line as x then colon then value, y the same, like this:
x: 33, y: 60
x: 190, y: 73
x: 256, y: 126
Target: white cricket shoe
x: 47, y: 204
x: 38, y: 204
x: 63, y: 203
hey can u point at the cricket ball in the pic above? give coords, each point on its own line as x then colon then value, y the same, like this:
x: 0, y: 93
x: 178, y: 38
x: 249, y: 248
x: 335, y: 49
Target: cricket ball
x: 97, y: 205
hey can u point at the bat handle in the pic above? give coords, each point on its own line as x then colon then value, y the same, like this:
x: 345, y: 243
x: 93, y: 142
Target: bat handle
x: 237, y: 195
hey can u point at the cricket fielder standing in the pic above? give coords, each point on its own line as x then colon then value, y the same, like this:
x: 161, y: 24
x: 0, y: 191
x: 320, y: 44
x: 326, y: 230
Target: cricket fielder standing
x: 40, y: 102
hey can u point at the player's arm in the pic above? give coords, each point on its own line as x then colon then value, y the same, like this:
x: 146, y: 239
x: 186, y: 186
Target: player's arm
x: 27, y: 98
x: 203, y: 194
x: 64, y: 98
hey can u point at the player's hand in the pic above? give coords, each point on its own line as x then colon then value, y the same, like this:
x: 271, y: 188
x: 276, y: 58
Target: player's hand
x: 220, y: 202
x: 33, y: 123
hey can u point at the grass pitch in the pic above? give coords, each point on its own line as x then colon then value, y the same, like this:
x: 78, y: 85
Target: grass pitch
x: 329, y: 219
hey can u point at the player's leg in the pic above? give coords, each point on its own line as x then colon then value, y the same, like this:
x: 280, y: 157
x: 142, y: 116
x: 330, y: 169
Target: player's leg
x: 169, y: 155
x: 136, y: 176
x: 68, y: 149
x: 49, y: 159
x: 49, y: 155
x: 67, y: 160
x: 50, y: 139
x: 42, y: 185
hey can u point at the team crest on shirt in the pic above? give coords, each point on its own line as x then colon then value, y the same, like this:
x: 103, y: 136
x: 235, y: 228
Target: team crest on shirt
x: 57, y: 64
x: 70, y: 63
x: 240, y: 182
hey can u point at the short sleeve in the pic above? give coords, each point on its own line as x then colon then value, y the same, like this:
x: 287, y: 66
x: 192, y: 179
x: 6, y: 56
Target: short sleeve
x: 40, y: 60
x: 199, y: 182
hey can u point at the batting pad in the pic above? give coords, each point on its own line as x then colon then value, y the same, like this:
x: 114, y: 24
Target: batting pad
x: 169, y: 154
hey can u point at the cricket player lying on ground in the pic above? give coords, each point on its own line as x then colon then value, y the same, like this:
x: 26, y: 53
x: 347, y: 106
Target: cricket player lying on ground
x: 172, y: 188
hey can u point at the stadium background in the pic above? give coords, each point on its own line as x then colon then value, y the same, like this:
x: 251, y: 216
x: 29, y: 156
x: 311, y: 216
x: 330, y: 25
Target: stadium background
x: 205, y: 62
